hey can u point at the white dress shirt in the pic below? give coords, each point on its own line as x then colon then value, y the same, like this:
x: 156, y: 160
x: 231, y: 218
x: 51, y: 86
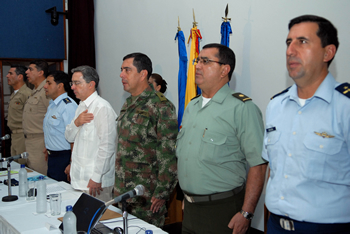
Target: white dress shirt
x: 93, y: 155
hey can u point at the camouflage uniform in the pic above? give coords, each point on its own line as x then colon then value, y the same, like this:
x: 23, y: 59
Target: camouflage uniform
x: 147, y: 130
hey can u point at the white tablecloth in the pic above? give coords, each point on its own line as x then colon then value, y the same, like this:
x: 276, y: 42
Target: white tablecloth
x: 19, y: 216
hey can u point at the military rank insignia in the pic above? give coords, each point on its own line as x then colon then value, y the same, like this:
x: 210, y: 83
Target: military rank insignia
x: 344, y: 89
x: 241, y: 97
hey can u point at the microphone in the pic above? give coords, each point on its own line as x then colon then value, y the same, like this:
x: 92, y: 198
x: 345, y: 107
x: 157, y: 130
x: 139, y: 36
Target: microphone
x: 6, y: 137
x: 9, y: 159
x: 139, y: 190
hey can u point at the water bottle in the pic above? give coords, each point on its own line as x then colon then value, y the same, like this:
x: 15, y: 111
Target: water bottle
x: 69, y: 221
x: 41, y: 205
x: 23, y: 185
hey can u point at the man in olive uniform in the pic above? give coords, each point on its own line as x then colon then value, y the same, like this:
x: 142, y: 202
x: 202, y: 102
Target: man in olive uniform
x: 33, y: 116
x: 221, y: 132
x: 16, y: 78
x: 147, y: 129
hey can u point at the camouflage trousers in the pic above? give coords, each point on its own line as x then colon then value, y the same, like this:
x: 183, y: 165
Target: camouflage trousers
x: 142, y: 211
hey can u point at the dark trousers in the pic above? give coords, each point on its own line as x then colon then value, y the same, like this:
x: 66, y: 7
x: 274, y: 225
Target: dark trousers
x: 57, y: 163
x: 212, y: 216
x: 274, y: 227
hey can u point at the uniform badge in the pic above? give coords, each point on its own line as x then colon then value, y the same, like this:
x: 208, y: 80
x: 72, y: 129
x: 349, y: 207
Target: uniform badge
x: 324, y: 135
x: 18, y: 103
x: 66, y: 100
x: 241, y: 97
x: 344, y: 89
x: 54, y: 117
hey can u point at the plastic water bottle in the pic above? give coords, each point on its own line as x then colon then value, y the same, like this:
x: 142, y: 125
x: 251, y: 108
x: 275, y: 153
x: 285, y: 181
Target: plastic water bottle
x: 23, y: 185
x: 69, y: 221
x: 41, y: 205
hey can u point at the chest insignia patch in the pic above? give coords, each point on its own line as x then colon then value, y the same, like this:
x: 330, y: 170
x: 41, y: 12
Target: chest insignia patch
x: 324, y: 135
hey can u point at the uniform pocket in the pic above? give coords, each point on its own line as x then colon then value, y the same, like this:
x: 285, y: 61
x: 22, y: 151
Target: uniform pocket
x: 323, y: 160
x: 212, y: 145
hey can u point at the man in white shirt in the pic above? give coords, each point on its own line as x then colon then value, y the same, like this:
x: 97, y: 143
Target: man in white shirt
x: 93, y: 131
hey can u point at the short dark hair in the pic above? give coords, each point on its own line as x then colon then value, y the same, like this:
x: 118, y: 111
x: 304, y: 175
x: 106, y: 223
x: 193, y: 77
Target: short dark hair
x: 225, y: 56
x: 20, y: 70
x: 89, y: 74
x: 160, y: 81
x: 326, y: 30
x: 141, y: 62
x: 61, y: 77
x: 41, y: 65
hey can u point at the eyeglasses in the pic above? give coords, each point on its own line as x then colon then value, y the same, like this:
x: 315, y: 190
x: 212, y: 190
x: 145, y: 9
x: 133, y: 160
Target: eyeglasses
x: 205, y: 61
x: 76, y: 83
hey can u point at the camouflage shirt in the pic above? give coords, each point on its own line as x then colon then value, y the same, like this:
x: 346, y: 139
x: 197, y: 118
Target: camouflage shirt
x: 147, y: 130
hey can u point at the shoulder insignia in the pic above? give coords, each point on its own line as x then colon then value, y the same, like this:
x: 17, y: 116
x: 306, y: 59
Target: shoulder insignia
x: 161, y: 96
x: 195, y: 97
x: 344, y: 88
x: 66, y: 100
x: 241, y: 97
x: 284, y: 91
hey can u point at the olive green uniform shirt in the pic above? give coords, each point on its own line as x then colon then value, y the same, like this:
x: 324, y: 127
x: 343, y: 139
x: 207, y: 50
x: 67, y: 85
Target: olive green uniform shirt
x: 215, y: 143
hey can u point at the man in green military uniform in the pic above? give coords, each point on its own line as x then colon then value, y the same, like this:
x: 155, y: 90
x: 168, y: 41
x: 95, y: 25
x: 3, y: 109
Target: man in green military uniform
x: 147, y: 129
x: 220, y: 132
x: 16, y: 78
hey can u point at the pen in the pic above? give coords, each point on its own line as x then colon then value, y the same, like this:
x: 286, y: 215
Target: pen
x: 205, y: 129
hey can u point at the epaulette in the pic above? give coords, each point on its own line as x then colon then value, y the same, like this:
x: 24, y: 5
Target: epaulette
x: 344, y: 88
x: 284, y: 91
x: 241, y: 97
x: 195, y: 97
x: 161, y: 96
x: 66, y: 100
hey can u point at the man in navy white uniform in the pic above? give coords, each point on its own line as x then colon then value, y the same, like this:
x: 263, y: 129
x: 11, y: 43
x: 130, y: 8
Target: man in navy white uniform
x: 59, y: 114
x: 307, y: 137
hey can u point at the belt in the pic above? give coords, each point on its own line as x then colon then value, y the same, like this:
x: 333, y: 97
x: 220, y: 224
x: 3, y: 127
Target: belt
x: 212, y: 197
x: 294, y: 225
x: 56, y: 151
x: 32, y: 135
x: 17, y: 131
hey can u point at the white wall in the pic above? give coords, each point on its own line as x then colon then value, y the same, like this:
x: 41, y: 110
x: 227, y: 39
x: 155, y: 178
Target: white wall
x: 258, y: 39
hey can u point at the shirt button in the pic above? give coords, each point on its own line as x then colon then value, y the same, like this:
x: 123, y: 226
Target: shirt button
x: 285, y: 176
x: 290, y: 155
x: 189, y: 143
x: 268, y: 140
x: 282, y: 198
x: 294, y: 133
x: 299, y: 112
x: 321, y: 146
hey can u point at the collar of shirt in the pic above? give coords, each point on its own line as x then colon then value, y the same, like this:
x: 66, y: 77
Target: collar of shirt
x: 142, y: 96
x: 41, y: 85
x: 59, y: 98
x: 90, y: 99
x: 219, y: 96
x: 324, y: 91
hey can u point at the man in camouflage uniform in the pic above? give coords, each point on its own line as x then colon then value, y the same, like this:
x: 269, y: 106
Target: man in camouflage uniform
x: 147, y: 130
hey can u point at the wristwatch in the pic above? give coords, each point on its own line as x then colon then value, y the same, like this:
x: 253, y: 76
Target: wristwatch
x: 247, y: 215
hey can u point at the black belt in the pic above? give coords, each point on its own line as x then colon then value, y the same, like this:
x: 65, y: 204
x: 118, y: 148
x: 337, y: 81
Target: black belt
x: 49, y: 152
x: 213, y: 197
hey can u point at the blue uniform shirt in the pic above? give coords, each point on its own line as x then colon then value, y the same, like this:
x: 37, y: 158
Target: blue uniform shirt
x: 59, y: 114
x: 308, y: 149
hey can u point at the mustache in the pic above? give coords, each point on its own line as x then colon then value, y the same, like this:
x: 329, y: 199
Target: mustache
x: 293, y: 59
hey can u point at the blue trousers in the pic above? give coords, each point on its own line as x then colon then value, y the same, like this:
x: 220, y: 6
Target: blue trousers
x: 57, y: 163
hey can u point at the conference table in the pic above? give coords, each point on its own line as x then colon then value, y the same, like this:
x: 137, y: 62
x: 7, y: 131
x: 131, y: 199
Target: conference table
x: 19, y: 217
